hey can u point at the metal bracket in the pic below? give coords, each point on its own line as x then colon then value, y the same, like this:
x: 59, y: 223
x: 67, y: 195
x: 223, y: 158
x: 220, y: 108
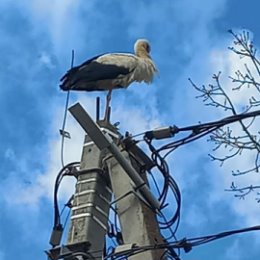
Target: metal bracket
x: 131, y: 146
x: 135, y: 193
x: 124, y: 247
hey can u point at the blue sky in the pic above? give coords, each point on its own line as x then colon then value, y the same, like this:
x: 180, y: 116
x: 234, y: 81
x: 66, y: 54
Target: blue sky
x: 189, y: 39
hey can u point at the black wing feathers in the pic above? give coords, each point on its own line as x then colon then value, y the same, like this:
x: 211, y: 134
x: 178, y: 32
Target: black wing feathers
x: 84, y: 77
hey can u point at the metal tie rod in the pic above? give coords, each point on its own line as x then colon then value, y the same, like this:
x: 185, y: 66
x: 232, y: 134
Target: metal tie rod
x: 103, y: 141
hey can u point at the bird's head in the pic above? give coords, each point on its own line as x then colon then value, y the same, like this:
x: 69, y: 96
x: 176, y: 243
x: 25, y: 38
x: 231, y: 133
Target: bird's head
x: 142, y: 48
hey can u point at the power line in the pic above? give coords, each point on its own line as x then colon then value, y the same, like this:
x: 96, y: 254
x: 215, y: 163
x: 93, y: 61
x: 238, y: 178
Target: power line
x: 197, y: 131
x: 186, y: 244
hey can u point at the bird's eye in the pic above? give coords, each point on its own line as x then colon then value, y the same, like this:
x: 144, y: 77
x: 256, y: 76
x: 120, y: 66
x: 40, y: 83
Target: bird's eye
x: 147, y: 47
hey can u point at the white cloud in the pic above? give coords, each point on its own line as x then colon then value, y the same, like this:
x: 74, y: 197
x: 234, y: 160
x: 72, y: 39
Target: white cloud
x: 59, y: 20
x: 134, y: 118
x: 54, y: 14
x: 42, y: 185
x: 46, y: 60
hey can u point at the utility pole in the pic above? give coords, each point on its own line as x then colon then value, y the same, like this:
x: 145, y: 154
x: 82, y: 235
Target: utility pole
x: 110, y: 166
x: 138, y: 221
x: 91, y: 202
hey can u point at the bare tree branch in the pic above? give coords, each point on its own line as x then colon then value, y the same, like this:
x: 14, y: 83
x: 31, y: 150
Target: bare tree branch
x: 241, y: 193
x: 215, y: 95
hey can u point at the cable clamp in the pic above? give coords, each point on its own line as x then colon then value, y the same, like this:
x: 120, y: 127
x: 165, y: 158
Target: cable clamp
x: 187, y: 247
x: 65, y: 134
x: 162, y: 132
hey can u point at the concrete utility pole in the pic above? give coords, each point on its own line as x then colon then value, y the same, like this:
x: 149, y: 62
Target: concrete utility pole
x: 138, y: 222
x: 105, y: 167
x: 91, y: 202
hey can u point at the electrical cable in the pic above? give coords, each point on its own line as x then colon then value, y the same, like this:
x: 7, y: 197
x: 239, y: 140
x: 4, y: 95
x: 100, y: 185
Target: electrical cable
x: 155, y: 182
x: 63, y: 128
x: 197, y: 131
x: 185, y: 244
x: 206, y: 239
x: 116, y: 232
x: 169, y: 185
x: 63, y: 209
x: 166, y: 222
x: 66, y: 170
x: 62, y: 131
x: 66, y: 219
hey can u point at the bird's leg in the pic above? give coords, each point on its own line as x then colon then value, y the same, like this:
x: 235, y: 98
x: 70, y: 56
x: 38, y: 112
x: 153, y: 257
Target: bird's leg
x: 109, y: 94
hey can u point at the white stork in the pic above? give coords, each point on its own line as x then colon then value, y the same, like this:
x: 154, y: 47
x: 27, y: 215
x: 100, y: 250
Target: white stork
x: 112, y: 71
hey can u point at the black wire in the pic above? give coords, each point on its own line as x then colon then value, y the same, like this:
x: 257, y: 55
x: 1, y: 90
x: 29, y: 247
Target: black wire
x: 162, y: 167
x: 184, y: 243
x: 158, y: 190
x: 64, y: 171
x: 206, y: 239
x: 117, y: 234
x: 200, y: 130
x: 173, y: 253
x: 192, y: 137
x: 221, y: 122
x: 168, y: 185
x: 155, y: 183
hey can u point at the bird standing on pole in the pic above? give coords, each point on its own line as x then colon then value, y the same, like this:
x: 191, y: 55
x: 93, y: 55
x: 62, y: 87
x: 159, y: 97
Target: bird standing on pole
x: 112, y: 71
